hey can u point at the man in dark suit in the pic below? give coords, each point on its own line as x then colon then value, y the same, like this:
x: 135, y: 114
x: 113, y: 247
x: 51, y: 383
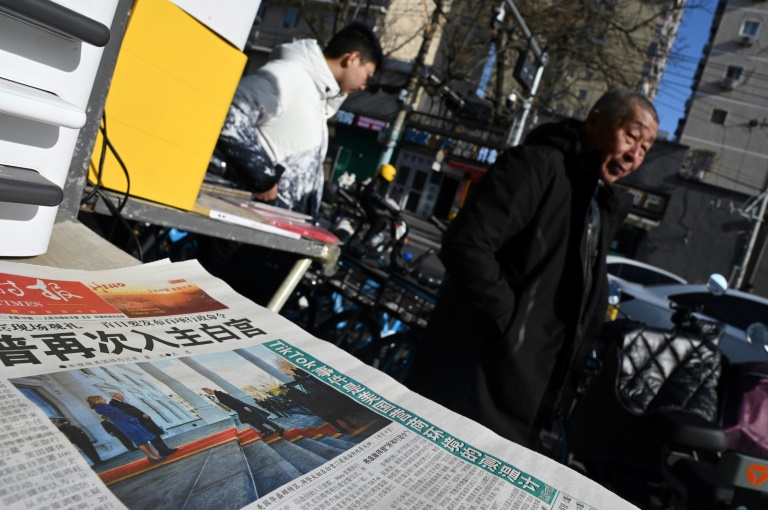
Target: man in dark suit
x: 79, y: 438
x: 325, y: 405
x: 118, y: 400
x: 247, y: 413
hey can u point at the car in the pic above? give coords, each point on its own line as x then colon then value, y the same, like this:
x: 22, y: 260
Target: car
x: 737, y: 310
x: 639, y: 272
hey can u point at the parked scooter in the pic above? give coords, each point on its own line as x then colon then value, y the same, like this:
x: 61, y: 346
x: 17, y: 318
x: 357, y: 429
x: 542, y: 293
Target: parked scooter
x: 350, y: 222
x: 656, y: 423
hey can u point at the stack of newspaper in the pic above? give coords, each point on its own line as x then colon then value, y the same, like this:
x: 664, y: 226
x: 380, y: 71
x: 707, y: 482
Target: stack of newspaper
x: 157, y: 386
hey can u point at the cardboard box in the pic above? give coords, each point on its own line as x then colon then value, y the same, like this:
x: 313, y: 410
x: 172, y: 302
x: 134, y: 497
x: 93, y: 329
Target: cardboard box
x: 174, y: 81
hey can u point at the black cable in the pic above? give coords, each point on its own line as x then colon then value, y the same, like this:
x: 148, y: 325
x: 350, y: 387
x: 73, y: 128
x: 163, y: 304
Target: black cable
x: 107, y: 143
x: 117, y: 212
x: 125, y: 171
x: 100, y: 169
x: 119, y: 217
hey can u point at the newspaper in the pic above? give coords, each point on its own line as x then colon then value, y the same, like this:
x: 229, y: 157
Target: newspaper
x: 233, y: 407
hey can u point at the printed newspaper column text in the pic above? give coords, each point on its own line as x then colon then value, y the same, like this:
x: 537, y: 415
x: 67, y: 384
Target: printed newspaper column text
x: 38, y: 467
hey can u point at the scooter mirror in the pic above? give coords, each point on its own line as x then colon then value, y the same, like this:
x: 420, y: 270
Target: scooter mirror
x: 757, y: 334
x: 717, y: 284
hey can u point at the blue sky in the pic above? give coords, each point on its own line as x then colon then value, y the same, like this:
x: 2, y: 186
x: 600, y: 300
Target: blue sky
x: 675, y: 89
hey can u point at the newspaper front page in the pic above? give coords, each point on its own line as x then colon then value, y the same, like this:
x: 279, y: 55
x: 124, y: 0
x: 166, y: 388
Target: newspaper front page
x: 157, y: 386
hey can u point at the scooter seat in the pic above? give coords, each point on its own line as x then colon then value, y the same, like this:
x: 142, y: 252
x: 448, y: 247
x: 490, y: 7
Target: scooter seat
x: 690, y: 430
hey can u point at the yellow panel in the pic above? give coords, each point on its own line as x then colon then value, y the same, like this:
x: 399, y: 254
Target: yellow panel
x: 173, y: 83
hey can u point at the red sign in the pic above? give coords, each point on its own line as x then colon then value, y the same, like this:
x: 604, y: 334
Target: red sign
x: 21, y: 295
x: 370, y: 123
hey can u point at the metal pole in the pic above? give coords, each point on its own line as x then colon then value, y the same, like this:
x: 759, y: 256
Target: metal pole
x: 758, y: 221
x: 289, y: 284
x: 520, y: 124
x: 516, y: 130
x: 527, y: 33
x: 412, y: 89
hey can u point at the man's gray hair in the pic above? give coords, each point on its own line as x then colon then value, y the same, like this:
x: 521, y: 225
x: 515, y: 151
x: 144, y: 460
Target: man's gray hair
x: 616, y: 104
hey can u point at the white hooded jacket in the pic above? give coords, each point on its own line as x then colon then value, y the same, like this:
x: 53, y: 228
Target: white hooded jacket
x: 288, y: 102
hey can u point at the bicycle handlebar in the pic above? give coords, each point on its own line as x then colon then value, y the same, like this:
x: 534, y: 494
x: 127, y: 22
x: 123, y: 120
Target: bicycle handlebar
x: 352, y: 201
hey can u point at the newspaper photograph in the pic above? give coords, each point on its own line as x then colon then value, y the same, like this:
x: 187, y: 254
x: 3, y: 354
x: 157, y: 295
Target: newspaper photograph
x: 158, y: 386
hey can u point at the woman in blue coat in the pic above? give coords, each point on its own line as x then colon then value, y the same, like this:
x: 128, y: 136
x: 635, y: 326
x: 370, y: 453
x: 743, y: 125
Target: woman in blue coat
x: 128, y: 425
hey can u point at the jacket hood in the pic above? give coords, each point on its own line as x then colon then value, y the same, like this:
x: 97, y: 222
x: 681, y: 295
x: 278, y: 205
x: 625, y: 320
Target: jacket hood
x: 567, y: 137
x: 564, y: 135
x: 310, y: 56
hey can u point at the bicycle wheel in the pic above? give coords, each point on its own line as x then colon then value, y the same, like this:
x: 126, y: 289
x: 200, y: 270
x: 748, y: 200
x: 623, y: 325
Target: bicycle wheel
x: 352, y: 330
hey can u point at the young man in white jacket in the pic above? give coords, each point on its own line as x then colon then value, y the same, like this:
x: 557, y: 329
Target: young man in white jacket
x: 275, y: 136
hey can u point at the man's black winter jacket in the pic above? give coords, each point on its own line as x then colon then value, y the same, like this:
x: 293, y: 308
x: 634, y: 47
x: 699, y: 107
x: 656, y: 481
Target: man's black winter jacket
x: 515, y: 314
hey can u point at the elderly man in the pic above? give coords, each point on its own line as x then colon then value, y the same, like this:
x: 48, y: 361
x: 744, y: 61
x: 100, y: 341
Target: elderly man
x: 525, y: 258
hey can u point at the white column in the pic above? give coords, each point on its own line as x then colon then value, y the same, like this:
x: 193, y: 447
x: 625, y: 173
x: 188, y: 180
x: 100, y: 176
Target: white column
x: 206, y: 410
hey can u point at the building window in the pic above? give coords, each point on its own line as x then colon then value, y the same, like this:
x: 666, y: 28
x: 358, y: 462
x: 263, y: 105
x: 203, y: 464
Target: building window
x: 733, y: 76
x: 750, y: 28
x: 291, y: 18
x: 582, y: 94
x: 697, y: 163
x: 647, y: 68
x: 734, y: 73
x: 718, y: 116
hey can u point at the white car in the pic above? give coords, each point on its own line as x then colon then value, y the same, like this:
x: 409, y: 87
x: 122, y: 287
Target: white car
x: 736, y: 310
x: 639, y: 272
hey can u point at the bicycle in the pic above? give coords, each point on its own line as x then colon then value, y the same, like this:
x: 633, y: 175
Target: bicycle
x: 357, y: 289
x: 383, y: 333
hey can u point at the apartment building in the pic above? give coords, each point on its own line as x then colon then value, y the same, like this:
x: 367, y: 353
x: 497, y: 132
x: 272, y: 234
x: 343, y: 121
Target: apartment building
x: 726, y: 120
x: 726, y: 128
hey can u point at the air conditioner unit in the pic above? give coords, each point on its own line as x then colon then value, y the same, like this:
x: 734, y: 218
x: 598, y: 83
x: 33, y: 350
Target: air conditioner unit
x: 730, y: 83
x: 747, y: 40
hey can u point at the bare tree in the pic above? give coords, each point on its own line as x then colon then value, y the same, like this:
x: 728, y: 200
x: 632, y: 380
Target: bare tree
x: 592, y: 46
x: 285, y: 366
